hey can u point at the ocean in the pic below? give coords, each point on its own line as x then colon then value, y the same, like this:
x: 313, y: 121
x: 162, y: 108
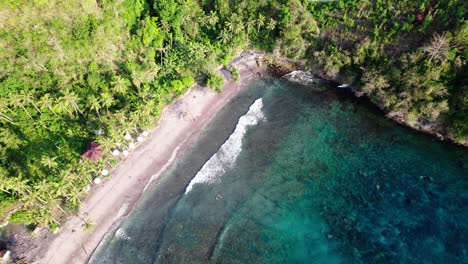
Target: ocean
x: 287, y: 173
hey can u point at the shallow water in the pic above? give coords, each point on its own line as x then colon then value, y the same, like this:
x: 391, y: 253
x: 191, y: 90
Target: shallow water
x: 292, y: 174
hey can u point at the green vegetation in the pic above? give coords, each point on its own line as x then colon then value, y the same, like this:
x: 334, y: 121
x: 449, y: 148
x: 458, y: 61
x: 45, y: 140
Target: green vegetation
x: 74, y: 72
x: 235, y: 74
x: 409, y: 56
x: 215, y: 81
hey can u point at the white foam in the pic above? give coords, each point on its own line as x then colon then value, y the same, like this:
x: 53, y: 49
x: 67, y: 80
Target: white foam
x: 227, y: 154
x: 301, y: 77
x: 120, y: 234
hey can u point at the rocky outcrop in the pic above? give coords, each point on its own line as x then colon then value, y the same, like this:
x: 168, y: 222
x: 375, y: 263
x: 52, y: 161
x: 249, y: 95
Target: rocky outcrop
x: 281, y: 66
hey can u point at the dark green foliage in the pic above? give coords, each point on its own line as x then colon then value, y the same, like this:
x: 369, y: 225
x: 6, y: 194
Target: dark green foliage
x: 215, y: 81
x: 21, y: 217
x: 235, y: 74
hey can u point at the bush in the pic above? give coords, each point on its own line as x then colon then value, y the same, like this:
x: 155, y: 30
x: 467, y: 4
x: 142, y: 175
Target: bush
x: 235, y: 74
x: 188, y: 80
x: 22, y: 217
x: 215, y: 82
x: 177, y: 85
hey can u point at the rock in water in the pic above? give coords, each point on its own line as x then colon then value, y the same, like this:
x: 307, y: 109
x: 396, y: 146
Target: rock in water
x: 301, y: 77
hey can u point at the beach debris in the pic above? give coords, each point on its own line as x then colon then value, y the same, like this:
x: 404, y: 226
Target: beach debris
x: 97, y: 180
x: 128, y: 136
x: 6, y: 257
x: 343, y: 86
x: 145, y: 133
x: 57, y: 229
x: 87, y: 188
x: 125, y: 152
x: 104, y: 172
x: 37, y: 230
x: 140, y: 139
x: 94, y: 152
x: 131, y: 146
x: 116, y: 152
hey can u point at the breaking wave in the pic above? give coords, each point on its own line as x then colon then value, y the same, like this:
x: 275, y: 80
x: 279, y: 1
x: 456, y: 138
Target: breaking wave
x: 121, y: 234
x: 227, y: 154
x: 301, y: 77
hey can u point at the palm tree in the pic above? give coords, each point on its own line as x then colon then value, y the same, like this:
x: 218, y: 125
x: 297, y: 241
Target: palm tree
x: 29, y: 99
x: 132, y: 122
x: 17, y: 100
x: 250, y: 25
x: 161, y: 51
x: 72, y: 100
x: 3, y: 109
x: 84, y: 171
x: 47, y: 102
x: 120, y: 85
x: 107, y: 100
x: 9, y: 139
x: 237, y: 30
x: 49, y: 162
x: 45, y: 216
x: 68, y: 183
x: 213, y: 19
x: 151, y: 71
x: 137, y: 79
x: 121, y: 117
x: 44, y: 191
x: 73, y: 196
x: 230, y: 25
x: 21, y: 188
x: 63, y: 105
x: 260, y: 22
x: 224, y: 37
x: 107, y: 144
x: 271, y: 25
x: 203, y: 20
x: 439, y: 47
x: 5, y: 184
x: 95, y: 105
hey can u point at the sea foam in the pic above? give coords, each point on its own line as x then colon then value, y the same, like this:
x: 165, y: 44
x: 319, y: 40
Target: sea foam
x: 301, y: 77
x: 121, y: 234
x: 227, y: 154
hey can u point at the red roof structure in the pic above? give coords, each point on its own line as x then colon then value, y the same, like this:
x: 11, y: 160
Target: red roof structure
x: 94, y: 152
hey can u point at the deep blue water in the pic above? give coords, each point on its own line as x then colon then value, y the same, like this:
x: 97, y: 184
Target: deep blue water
x: 293, y: 174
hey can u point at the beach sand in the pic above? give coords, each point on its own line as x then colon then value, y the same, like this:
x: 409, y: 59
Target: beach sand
x: 110, y: 202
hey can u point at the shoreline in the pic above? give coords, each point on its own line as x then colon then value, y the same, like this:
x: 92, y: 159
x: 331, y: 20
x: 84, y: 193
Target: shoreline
x: 109, y: 203
x: 280, y: 65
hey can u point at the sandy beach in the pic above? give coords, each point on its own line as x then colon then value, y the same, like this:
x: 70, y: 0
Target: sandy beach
x: 110, y: 202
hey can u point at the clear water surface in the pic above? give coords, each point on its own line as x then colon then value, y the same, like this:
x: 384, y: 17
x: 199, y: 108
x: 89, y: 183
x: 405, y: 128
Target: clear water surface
x: 293, y: 174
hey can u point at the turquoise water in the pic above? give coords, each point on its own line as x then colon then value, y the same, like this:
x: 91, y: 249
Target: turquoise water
x: 292, y: 174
